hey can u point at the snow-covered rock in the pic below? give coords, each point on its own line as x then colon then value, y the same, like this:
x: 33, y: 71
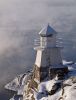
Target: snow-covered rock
x: 18, y: 82
x: 62, y: 89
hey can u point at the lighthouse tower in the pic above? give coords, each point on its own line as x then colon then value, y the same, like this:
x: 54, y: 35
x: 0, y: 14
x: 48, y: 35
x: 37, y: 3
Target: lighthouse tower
x: 48, y: 58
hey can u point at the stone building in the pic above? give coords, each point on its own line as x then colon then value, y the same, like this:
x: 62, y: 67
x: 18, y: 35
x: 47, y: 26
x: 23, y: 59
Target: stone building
x: 48, y: 59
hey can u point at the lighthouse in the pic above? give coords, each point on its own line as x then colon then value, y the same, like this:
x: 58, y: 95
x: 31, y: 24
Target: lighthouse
x: 48, y: 61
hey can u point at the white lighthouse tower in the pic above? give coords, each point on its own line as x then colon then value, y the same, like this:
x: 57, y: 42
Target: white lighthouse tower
x: 48, y: 58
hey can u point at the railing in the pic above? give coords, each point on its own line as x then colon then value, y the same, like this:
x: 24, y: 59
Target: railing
x: 37, y: 42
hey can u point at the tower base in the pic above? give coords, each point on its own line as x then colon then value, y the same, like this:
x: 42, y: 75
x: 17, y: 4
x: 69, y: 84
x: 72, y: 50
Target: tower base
x: 59, y: 72
x: 41, y: 73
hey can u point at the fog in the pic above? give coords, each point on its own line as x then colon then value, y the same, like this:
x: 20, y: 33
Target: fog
x: 20, y: 22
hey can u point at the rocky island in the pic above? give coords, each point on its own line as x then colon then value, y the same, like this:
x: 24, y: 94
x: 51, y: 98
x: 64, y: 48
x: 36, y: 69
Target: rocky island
x: 52, y: 78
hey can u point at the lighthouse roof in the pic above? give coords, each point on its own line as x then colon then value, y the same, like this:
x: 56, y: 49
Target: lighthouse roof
x: 47, y: 31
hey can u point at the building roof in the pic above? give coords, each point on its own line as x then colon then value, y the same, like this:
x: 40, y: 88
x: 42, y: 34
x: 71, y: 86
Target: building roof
x: 47, y: 31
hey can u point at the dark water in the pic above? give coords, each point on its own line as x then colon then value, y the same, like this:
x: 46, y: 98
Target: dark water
x: 6, y: 95
x: 20, y: 22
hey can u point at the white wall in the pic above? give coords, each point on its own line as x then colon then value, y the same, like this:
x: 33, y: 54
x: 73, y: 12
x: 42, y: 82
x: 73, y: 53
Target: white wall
x: 48, y: 41
x: 51, y: 41
x: 38, y: 58
x: 48, y: 57
x: 55, y: 56
x: 41, y: 58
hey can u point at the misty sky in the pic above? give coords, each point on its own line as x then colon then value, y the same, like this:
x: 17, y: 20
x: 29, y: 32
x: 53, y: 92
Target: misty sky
x: 21, y: 20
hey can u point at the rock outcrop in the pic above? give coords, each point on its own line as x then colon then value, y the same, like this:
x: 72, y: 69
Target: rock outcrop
x: 58, y: 88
